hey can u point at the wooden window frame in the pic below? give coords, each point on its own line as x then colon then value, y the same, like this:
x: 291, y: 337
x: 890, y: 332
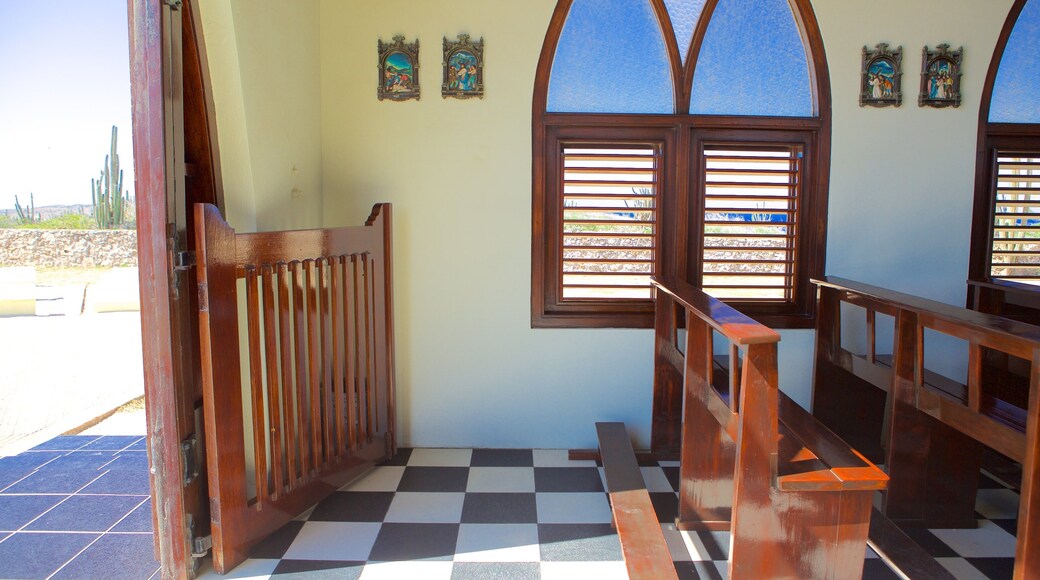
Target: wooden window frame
x: 994, y: 138
x: 678, y: 190
x: 811, y: 220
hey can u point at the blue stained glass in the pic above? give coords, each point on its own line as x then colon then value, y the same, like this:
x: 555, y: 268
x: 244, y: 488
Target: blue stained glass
x: 752, y: 62
x: 611, y: 58
x: 1016, y: 90
x: 684, y: 15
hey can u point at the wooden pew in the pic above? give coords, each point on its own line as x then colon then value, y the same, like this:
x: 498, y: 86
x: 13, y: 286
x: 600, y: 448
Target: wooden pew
x: 296, y: 331
x: 642, y: 541
x: 795, y: 497
x: 931, y: 428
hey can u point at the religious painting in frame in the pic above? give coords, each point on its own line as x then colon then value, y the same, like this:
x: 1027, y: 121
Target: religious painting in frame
x: 941, y: 77
x: 398, y: 69
x: 881, y: 78
x: 463, y: 68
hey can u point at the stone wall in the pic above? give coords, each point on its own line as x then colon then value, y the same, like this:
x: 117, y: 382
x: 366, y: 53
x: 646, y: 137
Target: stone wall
x: 68, y: 248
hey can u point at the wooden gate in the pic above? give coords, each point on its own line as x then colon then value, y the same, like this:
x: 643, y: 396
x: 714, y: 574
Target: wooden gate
x: 306, y: 401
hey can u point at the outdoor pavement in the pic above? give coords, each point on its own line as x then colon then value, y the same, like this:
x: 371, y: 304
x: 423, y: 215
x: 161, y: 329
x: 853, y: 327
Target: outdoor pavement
x: 62, y: 369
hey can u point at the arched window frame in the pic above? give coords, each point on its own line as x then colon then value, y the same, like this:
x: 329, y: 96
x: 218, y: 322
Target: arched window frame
x: 994, y: 138
x: 680, y: 195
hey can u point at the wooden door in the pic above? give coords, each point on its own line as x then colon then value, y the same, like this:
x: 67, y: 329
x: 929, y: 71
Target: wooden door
x: 176, y: 164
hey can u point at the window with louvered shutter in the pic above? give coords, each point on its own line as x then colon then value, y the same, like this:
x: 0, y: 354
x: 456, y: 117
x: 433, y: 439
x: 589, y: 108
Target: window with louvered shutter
x: 1015, y: 251
x: 751, y: 203
x: 609, y: 211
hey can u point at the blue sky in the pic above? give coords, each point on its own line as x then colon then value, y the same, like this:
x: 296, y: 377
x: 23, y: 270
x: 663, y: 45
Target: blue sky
x: 64, y: 81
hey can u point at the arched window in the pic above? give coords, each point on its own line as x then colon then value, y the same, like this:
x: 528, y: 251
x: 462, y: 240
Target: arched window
x: 1005, y: 245
x: 680, y: 137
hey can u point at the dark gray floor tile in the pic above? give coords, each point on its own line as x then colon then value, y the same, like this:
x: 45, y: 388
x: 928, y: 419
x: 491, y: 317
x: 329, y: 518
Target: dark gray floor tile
x: 353, y: 506
x: 994, y: 568
x: 39, y: 555
x: 502, y: 458
x: 566, y: 479
x: 317, y: 570
x: 274, y: 546
x: 499, y: 508
x: 495, y: 571
x: 125, y: 556
x: 703, y: 570
x: 139, y: 520
x: 666, y: 506
x: 672, y: 473
x: 578, y: 543
x: 124, y: 482
x: 935, y: 547
x: 1009, y: 526
x: 398, y: 542
x: 65, y: 443
x: 400, y: 458
x: 715, y: 543
x: 877, y: 569
x: 86, y: 513
x: 449, y: 479
x: 18, y: 510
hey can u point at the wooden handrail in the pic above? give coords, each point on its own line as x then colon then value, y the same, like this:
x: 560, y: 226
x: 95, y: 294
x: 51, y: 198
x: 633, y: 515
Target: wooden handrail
x: 1010, y: 336
x: 734, y: 325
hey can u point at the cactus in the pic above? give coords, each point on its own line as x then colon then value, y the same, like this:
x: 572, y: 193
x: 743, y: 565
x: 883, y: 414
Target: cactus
x: 26, y: 214
x: 110, y: 202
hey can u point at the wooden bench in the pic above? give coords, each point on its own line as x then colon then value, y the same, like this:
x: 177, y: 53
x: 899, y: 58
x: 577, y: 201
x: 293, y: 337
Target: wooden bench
x: 794, y: 496
x: 928, y: 428
x: 642, y: 541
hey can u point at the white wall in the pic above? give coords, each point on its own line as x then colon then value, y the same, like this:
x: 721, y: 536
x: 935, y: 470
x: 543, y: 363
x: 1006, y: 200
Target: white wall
x: 265, y: 69
x: 471, y: 370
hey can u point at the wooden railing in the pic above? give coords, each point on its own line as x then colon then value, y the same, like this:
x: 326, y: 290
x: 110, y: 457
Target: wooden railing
x: 928, y: 427
x: 314, y: 312
x: 794, y: 496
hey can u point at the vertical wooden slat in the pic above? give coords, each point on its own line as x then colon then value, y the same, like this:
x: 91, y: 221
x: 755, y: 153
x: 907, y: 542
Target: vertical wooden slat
x: 370, y: 331
x: 288, y: 400
x: 974, y: 376
x: 300, y: 347
x: 350, y: 345
x: 326, y: 360
x: 1027, y: 548
x: 734, y: 377
x: 338, y: 355
x: 871, y: 336
x: 359, y: 344
x: 313, y: 365
x: 274, y: 397
x: 256, y: 382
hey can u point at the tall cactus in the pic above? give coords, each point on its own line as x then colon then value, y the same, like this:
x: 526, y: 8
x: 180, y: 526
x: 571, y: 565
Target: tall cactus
x: 110, y: 202
x: 25, y: 214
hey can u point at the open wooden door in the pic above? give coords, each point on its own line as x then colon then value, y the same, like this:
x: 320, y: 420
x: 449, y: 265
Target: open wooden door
x: 175, y: 158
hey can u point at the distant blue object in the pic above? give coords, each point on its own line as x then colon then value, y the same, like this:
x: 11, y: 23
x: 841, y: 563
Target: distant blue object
x: 684, y: 15
x: 611, y: 58
x: 752, y: 62
x: 1016, y: 90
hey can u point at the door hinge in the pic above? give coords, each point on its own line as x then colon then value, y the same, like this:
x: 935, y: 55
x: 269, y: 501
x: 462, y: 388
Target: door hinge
x: 201, y: 546
x: 183, y: 261
x: 190, y: 455
x: 173, y: 4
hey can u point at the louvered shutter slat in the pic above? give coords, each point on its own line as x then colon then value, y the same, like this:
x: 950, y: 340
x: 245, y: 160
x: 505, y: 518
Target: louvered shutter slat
x: 1015, y: 231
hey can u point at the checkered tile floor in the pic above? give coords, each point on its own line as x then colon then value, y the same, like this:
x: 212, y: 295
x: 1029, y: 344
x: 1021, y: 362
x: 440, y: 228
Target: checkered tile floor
x: 516, y: 514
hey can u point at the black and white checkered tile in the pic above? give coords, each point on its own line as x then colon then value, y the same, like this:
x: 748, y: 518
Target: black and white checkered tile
x: 517, y: 514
